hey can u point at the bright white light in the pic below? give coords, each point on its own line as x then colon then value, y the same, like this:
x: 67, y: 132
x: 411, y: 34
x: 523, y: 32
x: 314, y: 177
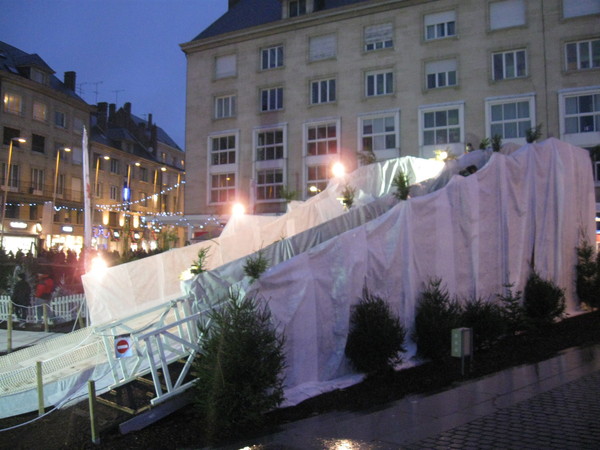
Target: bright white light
x: 338, y: 170
x: 98, y: 265
x: 238, y: 209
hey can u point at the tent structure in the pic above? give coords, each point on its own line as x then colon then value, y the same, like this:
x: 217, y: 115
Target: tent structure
x: 476, y: 233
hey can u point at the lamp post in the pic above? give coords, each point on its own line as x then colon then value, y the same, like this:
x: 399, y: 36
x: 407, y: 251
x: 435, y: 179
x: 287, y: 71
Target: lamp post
x: 7, y: 173
x: 66, y: 149
x: 106, y: 158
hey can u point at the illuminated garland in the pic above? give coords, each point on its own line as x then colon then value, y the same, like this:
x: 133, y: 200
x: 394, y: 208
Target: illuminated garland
x: 142, y: 200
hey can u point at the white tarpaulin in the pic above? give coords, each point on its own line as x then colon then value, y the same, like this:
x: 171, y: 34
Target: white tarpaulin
x: 129, y: 288
x: 477, y: 234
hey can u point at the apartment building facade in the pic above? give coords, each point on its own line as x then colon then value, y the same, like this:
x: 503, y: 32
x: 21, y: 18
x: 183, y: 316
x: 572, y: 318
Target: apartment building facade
x: 279, y: 90
x: 44, y: 187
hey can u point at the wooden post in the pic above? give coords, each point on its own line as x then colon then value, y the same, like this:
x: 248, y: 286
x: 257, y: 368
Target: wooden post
x: 92, y: 403
x: 40, y: 387
x: 9, y: 327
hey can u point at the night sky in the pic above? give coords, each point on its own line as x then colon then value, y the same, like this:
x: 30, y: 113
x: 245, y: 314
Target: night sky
x: 126, y: 50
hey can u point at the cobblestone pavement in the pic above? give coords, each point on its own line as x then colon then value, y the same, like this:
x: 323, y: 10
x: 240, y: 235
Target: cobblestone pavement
x: 566, y: 417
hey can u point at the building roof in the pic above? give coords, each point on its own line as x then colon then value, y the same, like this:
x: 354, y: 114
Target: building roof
x: 14, y: 60
x: 161, y: 135
x: 251, y: 13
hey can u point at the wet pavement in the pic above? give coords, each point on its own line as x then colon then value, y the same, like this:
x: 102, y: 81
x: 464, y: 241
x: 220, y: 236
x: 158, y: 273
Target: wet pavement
x: 551, y: 404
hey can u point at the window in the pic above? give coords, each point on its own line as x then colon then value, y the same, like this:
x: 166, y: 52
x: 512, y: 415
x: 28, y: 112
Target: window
x: 13, y: 179
x: 441, y: 73
x: 508, y: 13
x: 316, y: 179
x: 225, y: 107
x: 10, y: 134
x: 379, y: 133
x: 322, y: 47
x: 115, y: 166
x: 34, y: 213
x: 322, y: 91
x: 508, y: 65
x: 510, y: 119
x: 322, y: 139
x: 78, y: 125
x: 271, y: 99
x: 60, y: 119
x: 297, y: 8
x: 13, y: 103
x: 440, y: 25
x: 271, y: 57
x: 76, y: 155
x: 583, y: 55
x: 268, y: 184
x: 441, y: 127
x: 143, y: 174
x: 114, y: 192
x: 582, y: 113
x: 223, y: 149
x: 225, y: 66
x: 378, y: 37
x: 269, y: 145
x: 60, y: 184
x: 144, y: 199
x: 40, y: 111
x: 379, y: 83
x: 222, y: 188
x: 37, y: 180
x: 38, y: 143
x: 99, y: 190
x: 38, y: 76
x: 576, y: 8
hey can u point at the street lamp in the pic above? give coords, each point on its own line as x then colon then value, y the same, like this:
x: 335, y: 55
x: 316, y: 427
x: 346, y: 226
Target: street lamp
x: 7, y: 173
x: 106, y: 158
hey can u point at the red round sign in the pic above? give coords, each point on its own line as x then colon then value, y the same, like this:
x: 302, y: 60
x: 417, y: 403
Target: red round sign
x: 122, y: 346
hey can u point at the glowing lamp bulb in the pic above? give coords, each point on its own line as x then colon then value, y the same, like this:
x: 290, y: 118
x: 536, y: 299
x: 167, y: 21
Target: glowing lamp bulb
x: 238, y: 209
x: 338, y: 170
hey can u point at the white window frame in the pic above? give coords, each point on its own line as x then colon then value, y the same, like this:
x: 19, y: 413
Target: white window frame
x: 428, y: 150
x: 322, y: 47
x: 271, y: 99
x: 271, y: 57
x: 323, y: 91
x: 37, y: 180
x: 324, y: 159
x: 383, y: 79
x: 222, y: 188
x: 441, y: 25
x: 578, y: 8
x: 223, y: 156
x: 13, y: 180
x: 506, y: 56
x: 115, y: 166
x: 379, y: 37
x: 507, y: 14
x: 297, y: 8
x: 115, y: 193
x: 225, y: 106
x: 319, y: 183
x: 226, y: 167
x: 492, y: 103
x: 380, y: 135
x: 581, y: 53
x: 265, y: 185
x: 320, y: 142
x: 13, y: 103
x: 225, y: 66
x: 580, y: 139
x: 270, y: 148
x: 443, y: 73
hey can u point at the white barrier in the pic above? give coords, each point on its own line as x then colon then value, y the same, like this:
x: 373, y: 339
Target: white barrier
x: 62, y: 309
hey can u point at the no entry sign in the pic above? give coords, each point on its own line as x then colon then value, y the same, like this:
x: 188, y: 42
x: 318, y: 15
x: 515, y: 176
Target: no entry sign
x: 123, y: 346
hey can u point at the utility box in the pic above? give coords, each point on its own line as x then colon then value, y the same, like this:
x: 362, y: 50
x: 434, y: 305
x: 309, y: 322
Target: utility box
x: 462, y: 342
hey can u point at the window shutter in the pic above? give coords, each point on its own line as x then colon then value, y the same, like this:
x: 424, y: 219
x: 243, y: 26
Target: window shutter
x: 509, y: 13
x: 378, y: 33
x: 225, y: 66
x: 443, y: 17
x: 576, y: 8
x: 446, y: 65
x: 323, y: 47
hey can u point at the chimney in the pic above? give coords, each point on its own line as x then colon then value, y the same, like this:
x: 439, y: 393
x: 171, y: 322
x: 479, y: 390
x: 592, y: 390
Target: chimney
x: 154, y: 139
x: 150, y: 120
x: 232, y: 3
x: 70, y: 78
x: 112, y: 108
x: 127, y: 108
x: 102, y: 110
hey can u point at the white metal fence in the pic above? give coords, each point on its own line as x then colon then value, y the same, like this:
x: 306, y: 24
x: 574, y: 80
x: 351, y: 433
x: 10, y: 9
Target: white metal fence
x: 60, y: 309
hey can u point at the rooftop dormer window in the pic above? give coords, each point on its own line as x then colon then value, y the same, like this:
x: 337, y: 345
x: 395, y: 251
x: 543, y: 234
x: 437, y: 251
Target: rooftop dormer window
x: 297, y: 8
x: 39, y: 76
